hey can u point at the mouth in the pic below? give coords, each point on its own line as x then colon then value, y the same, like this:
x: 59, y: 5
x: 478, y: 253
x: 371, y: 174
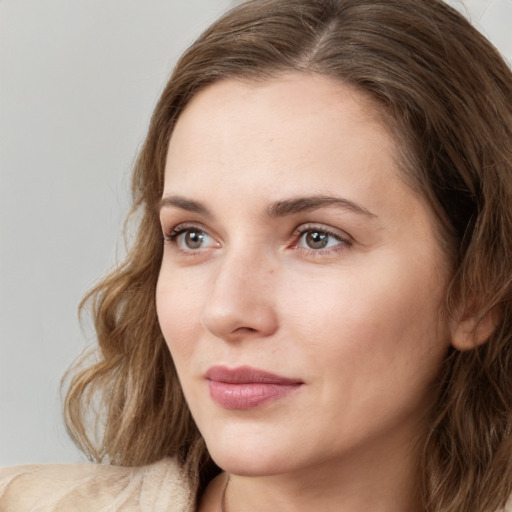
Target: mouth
x: 245, y: 388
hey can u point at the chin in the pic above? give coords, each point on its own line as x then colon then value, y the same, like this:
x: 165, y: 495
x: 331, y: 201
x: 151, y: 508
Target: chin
x: 254, y: 464
x: 243, y: 456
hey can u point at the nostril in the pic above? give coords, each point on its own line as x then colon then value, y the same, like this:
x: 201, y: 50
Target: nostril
x: 246, y: 329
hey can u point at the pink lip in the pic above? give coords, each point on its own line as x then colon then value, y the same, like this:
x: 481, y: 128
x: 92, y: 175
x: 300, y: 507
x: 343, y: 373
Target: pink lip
x: 245, y: 387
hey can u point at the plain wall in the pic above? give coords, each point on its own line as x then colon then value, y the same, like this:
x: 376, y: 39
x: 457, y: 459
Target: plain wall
x: 78, y: 82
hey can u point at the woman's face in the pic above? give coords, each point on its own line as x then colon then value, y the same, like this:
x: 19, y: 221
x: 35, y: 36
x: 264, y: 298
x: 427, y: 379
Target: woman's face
x: 301, y: 281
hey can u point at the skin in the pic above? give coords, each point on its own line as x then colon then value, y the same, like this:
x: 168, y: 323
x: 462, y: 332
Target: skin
x: 357, y: 322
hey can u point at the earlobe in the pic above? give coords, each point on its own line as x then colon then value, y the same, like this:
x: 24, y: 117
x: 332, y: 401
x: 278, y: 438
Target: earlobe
x: 470, y: 333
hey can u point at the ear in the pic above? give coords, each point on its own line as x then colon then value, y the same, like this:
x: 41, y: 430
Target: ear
x: 470, y: 333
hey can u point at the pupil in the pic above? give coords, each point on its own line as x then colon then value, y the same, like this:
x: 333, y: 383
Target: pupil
x: 316, y: 240
x: 194, y: 239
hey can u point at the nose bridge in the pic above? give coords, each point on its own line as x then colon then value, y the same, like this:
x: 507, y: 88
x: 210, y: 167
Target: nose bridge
x: 241, y: 294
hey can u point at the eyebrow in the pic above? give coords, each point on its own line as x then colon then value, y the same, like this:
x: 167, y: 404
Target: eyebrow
x: 185, y: 204
x: 306, y: 204
x: 277, y: 209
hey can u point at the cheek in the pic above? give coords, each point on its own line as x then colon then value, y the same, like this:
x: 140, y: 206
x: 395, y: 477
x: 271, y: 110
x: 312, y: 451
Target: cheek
x: 178, y: 313
x: 373, y: 349
x: 370, y: 319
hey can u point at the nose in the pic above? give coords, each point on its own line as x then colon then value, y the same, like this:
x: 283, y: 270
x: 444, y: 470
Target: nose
x: 240, y: 302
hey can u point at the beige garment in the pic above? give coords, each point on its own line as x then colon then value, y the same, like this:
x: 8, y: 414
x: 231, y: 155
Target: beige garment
x: 159, y: 487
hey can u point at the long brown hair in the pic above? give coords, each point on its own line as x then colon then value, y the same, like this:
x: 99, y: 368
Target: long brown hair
x: 446, y: 95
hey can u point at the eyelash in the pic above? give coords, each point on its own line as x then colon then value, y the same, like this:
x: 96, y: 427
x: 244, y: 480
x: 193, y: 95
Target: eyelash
x: 344, y: 241
x: 180, y: 229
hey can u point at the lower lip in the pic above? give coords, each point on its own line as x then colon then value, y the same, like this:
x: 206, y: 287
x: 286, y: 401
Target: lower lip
x: 249, y: 395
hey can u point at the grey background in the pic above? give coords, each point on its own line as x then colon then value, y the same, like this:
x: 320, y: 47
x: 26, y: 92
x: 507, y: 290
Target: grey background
x: 78, y: 82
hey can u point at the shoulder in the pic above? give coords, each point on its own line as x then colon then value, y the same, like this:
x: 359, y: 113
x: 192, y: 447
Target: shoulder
x: 161, y: 486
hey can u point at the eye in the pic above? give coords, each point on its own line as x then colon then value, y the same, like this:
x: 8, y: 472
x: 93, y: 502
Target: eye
x: 190, y: 238
x: 314, y: 238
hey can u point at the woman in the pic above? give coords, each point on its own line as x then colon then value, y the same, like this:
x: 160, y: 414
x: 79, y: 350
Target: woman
x: 316, y: 312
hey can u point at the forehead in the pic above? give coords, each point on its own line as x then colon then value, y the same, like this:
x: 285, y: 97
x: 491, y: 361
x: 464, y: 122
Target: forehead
x: 295, y: 124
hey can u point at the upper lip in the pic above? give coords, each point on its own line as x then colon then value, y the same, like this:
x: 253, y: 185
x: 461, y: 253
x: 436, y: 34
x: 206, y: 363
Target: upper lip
x: 247, y: 375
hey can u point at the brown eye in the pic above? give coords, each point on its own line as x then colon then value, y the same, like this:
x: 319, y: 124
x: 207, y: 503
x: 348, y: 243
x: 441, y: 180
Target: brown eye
x: 191, y: 238
x: 316, y: 239
x: 194, y: 239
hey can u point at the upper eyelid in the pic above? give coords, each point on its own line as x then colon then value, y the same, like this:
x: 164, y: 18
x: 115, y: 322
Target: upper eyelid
x: 336, y: 232
x: 170, y: 227
x: 184, y: 226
